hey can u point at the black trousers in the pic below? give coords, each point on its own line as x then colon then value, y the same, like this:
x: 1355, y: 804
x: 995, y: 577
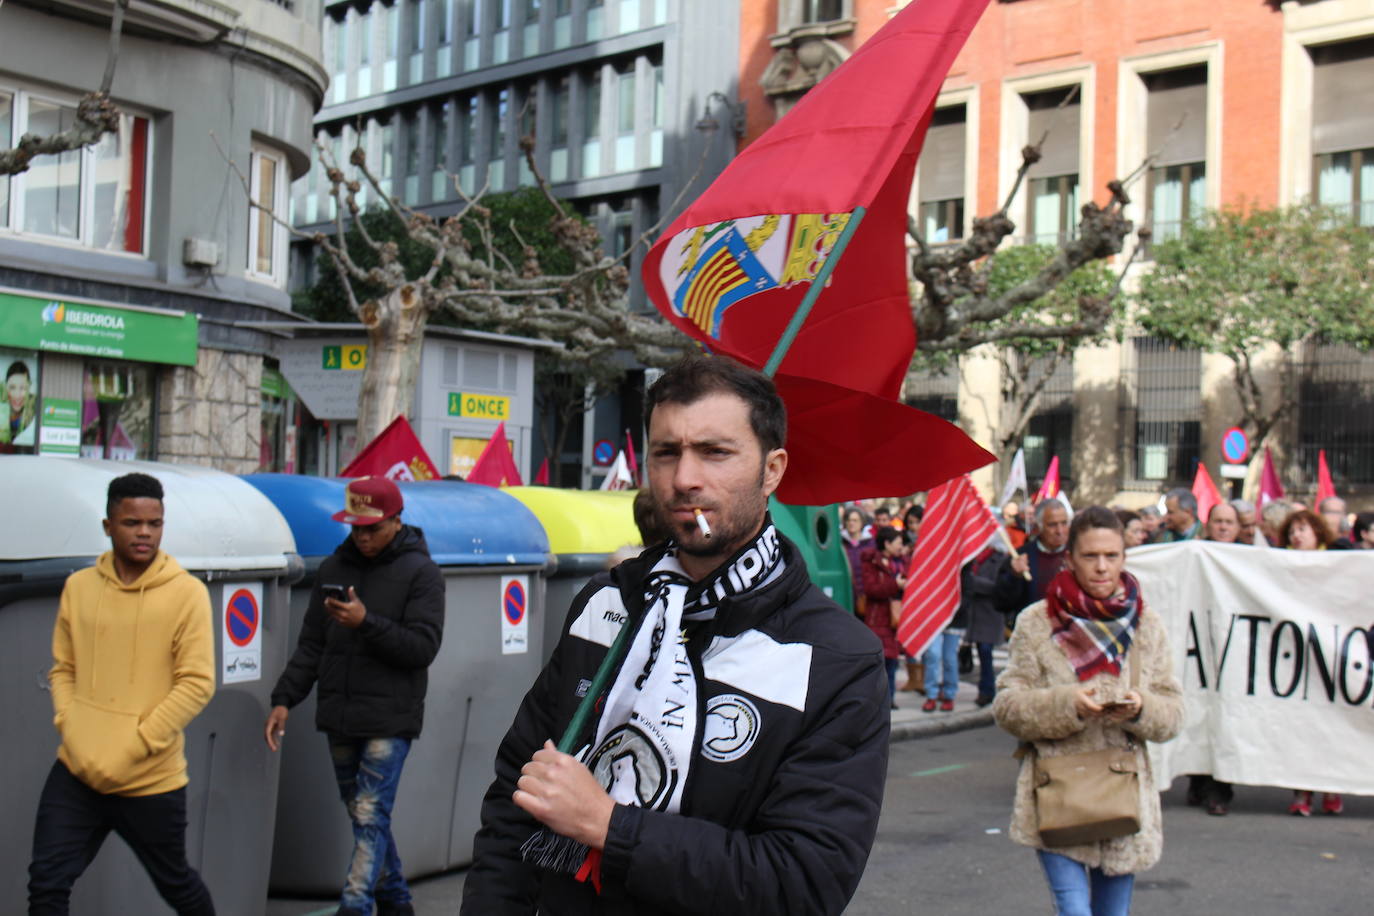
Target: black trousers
x: 73, y: 821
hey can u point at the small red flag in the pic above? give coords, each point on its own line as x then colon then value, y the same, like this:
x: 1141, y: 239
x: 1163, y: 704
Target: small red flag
x: 957, y: 526
x: 630, y: 457
x: 495, y: 467
x: 395, y: 453
x: 1325, y: 488
x: 541, y: 477
x: 1049, y: 487
x: 1205, y: 492
x: 1271, y: 489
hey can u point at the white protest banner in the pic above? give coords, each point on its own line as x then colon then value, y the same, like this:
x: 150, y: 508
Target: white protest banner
x: 1274, y: 650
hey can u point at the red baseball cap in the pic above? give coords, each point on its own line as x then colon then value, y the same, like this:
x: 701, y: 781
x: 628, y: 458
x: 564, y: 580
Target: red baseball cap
x: 369, y: 500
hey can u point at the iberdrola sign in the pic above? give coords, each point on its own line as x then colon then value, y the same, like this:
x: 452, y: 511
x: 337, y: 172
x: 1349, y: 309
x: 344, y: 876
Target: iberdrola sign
x: 62, y: 326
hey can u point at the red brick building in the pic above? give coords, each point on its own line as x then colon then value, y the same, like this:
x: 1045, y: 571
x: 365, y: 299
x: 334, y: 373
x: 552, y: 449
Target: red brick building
x: 1242, y: 102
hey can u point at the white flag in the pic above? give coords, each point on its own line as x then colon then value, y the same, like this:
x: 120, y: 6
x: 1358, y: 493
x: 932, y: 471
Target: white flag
x: 1016, y: 480
x: 618, y: 477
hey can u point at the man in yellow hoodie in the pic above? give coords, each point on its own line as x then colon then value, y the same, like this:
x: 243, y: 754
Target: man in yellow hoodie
x: 133, y: 663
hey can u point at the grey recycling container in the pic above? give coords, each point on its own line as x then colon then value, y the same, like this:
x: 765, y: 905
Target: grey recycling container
x: 493, y: 553
x: 227, y: 534
x: 585, y: 528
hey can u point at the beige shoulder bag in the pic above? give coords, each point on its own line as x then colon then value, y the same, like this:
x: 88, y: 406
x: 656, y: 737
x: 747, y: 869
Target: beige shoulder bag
x: 1083, y: 798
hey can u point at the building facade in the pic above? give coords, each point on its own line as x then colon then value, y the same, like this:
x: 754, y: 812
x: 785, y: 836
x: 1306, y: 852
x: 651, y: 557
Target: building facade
x: 1241, y: 103
x: 628, y: 102
x: 132, y: 271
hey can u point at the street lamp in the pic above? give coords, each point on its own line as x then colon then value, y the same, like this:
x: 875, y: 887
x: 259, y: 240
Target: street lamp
x: 708, y: 122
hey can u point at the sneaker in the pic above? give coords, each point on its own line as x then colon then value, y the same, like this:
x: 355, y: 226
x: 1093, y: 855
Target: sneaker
x: 983, y: 700
x: 1302, y: 804
x: 947, y: 705
x: 1332, y: 803
x: 928, y: 706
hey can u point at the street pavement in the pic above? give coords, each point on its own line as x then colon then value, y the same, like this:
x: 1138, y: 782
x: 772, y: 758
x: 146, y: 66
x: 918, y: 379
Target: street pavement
x: 942, y: 846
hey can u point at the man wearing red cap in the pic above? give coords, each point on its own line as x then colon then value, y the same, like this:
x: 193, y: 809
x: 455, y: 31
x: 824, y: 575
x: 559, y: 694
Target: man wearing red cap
x: 373, y: 626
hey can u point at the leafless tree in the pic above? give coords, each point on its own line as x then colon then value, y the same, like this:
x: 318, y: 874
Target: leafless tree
x: 96, y: 114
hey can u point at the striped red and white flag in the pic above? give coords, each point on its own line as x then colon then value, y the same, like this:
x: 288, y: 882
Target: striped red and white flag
x: 956, y: 527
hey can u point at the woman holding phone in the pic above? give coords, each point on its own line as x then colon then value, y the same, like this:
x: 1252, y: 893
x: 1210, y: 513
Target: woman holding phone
x: 1090, y: 668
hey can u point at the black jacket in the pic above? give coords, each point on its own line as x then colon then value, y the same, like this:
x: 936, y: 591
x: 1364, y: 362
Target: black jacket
x: 783, y: 828
x: 372, y: 679
x: 1014, y: 593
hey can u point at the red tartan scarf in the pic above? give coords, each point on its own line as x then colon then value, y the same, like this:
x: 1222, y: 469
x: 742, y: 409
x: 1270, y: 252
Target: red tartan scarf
x: 1094, y: 633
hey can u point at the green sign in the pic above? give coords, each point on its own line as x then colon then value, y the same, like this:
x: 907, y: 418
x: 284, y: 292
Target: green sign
x: 478, y: 406
x: 274, y: 384
x: 59, y: 427
x: 343, y: 356
x: 98, y: 330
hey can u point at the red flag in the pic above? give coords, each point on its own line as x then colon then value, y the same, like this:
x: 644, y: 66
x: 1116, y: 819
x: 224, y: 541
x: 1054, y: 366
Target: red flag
x: 1205, y: 492
x: 541, y: 477
x: 630, y: 457
x: 1325, y: 488
x: 495, y: 467
x: 395, y: 453
x: 733, y: 267
x: 1049, y: 487
x: 1271, y: 488
x: 957, y: 525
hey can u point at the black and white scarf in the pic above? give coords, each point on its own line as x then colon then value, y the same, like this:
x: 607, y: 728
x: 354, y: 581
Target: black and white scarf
x: 648, y: 733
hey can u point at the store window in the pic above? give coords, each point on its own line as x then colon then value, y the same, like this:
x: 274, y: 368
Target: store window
x: 267, y: 239
x: 96, y: 196
x: 276, y: 432
x: 118, y: 408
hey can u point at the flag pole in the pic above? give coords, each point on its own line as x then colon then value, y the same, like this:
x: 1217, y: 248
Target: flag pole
x: 794, y: 326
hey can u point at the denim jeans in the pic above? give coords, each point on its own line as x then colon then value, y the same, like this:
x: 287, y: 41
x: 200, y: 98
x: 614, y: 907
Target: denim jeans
x: 891, y: 665
x: 987, y: 678
x: 368, y: 771
x: 1082, y: 891
x: 943, y: 656
x: 73, y: 821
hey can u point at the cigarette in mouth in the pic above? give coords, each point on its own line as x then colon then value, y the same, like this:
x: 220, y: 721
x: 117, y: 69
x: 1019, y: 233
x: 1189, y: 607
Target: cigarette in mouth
x: 702, y: 523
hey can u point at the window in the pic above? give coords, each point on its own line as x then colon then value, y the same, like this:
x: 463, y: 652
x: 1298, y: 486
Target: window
x: 438, y: 136
x: 472, y: 29
x: 96, y: 196
x: 364, y: 31
x: 496, y: 153
x: 267, y: 239
x: 625, y: 118
x: 467, y: 144
x: 591, y: 126
x: 1176, y: 134
x: 528, y: 97
x: 410, y: 164
x: 392, y: 45
x: 822, y: 10
x: 118, y: 404
x: 274, y: 422
x: 942, y: 175
x: 500, y: 40
x: 560, y: 100
x: 656, y: 134
x: 1342, y: 130
x: 596, y: 19
x: 629, y: 16
x: 336, y: 31
x: 1052, y: 199
x: 530, y: 41
x: 1336, y: 412
x: 1167, y: 387
x: 562, y: 23
x: 419, y: 11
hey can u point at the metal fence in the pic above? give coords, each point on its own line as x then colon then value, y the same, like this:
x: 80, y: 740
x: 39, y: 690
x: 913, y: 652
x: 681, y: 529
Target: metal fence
x: 1336, y: 412
x: 935, y: 392
x: 1161, y: 421
x: 1050, y: 430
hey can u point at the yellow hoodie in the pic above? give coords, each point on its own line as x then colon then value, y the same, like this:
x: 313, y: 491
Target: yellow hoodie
x: 132, y: 666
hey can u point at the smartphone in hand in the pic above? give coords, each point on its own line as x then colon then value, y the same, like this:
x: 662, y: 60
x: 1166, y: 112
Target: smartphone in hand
x: 337, y: 592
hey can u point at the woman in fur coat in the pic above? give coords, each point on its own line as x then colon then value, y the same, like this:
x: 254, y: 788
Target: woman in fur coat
x: 1067, y: 689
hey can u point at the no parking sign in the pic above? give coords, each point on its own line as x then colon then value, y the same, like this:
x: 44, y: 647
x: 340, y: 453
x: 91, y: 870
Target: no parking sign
x: 515, y: 618
x: 241, y: 655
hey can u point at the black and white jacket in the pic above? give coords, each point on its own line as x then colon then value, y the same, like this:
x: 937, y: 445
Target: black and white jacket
x: 780, y: 808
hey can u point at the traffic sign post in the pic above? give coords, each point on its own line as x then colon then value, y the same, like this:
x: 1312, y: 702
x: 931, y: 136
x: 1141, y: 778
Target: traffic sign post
x: 241, y: 654
x: 515, y: 622
x: 603, y: 453
x: 1235, y: 445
